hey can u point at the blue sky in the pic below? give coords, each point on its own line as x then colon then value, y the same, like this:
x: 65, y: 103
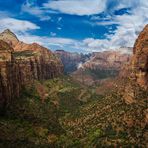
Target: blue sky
x: 75, y: 25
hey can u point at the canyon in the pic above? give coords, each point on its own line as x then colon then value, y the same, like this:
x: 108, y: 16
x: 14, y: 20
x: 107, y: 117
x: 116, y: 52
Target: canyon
x: 99, y: 101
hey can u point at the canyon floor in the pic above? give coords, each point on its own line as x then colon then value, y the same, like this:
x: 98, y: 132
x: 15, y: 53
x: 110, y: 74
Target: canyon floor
x: 63, y: 113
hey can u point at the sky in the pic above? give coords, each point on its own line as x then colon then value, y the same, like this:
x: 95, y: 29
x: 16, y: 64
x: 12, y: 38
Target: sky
x: 75, y: 25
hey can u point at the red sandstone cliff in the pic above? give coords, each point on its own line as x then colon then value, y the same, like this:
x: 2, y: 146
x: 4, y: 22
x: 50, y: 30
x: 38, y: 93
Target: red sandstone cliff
x: 107, y: 60
x: 140, y: 59
x: 134, y: 76
x: 22, y: 63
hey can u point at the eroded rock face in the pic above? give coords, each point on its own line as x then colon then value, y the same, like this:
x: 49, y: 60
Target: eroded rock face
x: 107, y: 60
x: 134, y: 76
x: 140, y: 59
x: 70, y: 60
x: 21, y: 64
x: 10, y: 82
x: 9, y: 37
x: 101, y: 66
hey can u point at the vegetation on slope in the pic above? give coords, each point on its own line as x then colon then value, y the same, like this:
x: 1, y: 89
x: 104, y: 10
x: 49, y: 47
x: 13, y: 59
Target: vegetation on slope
x: 102, y: 73
x: 63, y: 113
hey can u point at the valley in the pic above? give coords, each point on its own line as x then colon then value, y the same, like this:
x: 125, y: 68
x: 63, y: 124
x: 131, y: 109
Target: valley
x: 103, y: 103
x: 73, y: 115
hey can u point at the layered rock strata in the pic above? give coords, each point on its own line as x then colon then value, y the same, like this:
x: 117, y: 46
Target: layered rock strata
x: 21, y: 64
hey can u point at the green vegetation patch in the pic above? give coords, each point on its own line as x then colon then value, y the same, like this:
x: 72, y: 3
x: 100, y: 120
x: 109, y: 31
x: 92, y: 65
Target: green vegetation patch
x: 26, y: 53
x: 102, y: 73
x: 72, y: 116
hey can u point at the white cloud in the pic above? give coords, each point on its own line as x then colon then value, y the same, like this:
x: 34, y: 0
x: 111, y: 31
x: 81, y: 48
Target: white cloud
x: 21, y: 28
x: 31, y: 8
x: 45, y: 18
x: 47, y: 41
x: 17, y: 25
x: 53, y: 34
x: 86, y: 45
x: 77, y: 7
x: 95, y: 44
x: 59, y: 28
x: 128, y: 25
x: 61, y: 41
x: 59, y: 19
x: 4, y: 14
x: 55, y: 42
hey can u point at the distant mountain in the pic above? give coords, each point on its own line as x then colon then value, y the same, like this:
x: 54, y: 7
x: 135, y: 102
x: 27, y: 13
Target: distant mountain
x: 125, y: 50
x: 107, y: 60
x: 71, y: 60
x: 102, y: 65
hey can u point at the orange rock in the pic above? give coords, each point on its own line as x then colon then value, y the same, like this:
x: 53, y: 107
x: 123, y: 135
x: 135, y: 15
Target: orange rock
x: 21, y: 63
x: 140, y: 58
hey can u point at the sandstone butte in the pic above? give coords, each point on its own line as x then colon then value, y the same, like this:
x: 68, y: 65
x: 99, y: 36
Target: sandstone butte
x: 21, y: 64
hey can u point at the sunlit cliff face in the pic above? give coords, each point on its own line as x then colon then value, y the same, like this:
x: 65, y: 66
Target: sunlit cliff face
x: 140, y: 58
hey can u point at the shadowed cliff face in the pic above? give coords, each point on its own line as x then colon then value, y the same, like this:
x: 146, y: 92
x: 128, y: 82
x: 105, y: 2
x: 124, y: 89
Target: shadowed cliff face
x: 21, y: 64
x: 10, y: 81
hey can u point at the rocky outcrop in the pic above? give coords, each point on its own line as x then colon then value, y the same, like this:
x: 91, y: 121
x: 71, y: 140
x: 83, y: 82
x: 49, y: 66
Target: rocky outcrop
x: 133, y: 77
x: 71, y: 61
x: 21, y: 64
x: 10, y: 82
x: 140, y: 59
x: 9, y: 37
x: 43, y: 63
